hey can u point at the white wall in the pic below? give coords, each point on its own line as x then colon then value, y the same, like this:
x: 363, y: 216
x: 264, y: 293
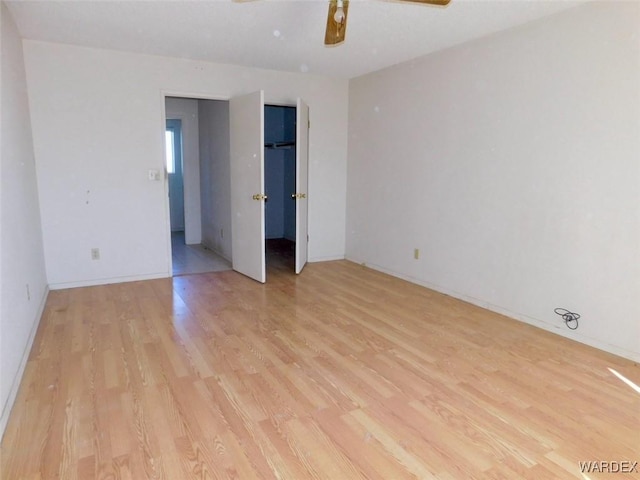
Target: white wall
x: 513, y: 164
x: 186, y: 110
x: 22, y: 257
x: 215, y: 176
x: 98, y: 127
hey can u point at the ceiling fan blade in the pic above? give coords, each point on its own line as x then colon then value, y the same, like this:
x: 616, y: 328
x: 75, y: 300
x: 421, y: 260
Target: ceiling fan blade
x: 429, y: 2
x: 335, y: 32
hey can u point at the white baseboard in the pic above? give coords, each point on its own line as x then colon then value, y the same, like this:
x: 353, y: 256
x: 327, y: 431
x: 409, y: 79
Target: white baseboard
x: 15, y: 384
x: 107, y: 281
x: 216, y: 251
x: 226, y: 257
x: 329, y: 258
x: 536, y: 322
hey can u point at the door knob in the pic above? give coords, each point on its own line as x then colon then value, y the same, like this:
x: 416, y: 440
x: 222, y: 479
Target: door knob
x: 259, y: 196
x: 298, y: 195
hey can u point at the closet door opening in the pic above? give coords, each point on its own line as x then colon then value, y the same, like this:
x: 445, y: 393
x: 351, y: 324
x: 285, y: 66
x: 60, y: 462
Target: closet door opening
x: 280, y: 186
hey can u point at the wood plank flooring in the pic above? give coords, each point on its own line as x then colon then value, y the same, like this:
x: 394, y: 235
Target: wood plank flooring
x: 340, y: 373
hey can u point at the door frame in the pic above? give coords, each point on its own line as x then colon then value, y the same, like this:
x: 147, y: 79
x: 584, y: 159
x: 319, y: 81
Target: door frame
x: 285, y: 105
x: 163, y: 118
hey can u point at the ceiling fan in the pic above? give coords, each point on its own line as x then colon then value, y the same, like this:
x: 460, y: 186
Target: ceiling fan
x: 337, y: 18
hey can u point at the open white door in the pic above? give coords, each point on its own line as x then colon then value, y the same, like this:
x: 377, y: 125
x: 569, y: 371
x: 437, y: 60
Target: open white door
x: 302, y: 182
x: 246, y: 122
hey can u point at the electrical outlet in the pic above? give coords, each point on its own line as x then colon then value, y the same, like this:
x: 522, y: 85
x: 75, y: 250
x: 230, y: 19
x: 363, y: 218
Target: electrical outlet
x: 416, y: 253
x: 95, y: 254
x: 221, y: 233
x: 28, y: 293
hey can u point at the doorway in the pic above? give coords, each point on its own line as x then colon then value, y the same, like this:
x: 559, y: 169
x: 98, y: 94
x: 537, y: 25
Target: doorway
x: 280, y: 186
x: 248, y: 198
x: 190, y: 188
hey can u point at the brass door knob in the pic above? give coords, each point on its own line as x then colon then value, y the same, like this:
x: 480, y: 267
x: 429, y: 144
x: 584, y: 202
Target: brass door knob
x: 259, y: 196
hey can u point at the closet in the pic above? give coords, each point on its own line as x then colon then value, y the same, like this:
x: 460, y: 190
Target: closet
x: 270, y: 183
x: 280, y: 184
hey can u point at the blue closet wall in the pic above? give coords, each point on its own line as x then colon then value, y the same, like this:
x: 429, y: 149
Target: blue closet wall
x: 279, y: 171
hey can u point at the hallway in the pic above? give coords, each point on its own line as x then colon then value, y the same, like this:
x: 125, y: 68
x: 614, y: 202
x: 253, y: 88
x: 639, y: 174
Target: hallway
x: 189, y: 259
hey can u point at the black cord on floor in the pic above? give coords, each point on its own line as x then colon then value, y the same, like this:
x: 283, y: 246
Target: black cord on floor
x: 570, y: 318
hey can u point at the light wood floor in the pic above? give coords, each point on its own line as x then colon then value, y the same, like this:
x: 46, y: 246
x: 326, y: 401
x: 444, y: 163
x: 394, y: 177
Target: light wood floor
x: 340, y: 373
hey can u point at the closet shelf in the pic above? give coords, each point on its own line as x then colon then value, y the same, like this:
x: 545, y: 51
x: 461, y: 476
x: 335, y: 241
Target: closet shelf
x: 277, y: 145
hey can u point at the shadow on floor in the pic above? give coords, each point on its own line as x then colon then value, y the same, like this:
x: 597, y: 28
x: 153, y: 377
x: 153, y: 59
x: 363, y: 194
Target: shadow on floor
x: 280, y: 254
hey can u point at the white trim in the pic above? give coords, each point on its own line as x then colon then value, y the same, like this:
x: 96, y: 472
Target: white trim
x: 107, y: 281
x: 216, y: 251
x: 167, y: 211
x: 193, y: 96
x: 17, y: 379
x: 536, y: 322
x: 329, y: 258
x: 280, y: 104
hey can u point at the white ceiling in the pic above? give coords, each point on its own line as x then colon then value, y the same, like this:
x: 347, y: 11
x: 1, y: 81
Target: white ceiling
x: 279, y: 35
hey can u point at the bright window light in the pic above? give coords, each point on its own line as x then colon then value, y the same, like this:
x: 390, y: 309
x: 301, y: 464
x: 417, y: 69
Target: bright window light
x: 170, y: 147
x: 625, y: 380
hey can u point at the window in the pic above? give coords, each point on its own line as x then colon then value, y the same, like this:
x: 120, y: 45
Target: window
x: 170, y: 147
